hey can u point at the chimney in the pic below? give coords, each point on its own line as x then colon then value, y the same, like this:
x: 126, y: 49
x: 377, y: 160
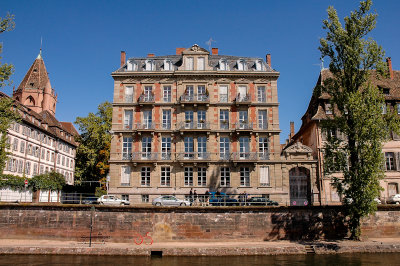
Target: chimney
x: 268, y: 59
x: 179, y: 50
x: 291, y: 129
x: 214, y: 51
x: 150, y: 55
x: 389, y: 63
x: 123, y: 58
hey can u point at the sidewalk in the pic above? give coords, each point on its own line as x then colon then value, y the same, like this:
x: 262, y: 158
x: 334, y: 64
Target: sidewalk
x: 199, y: 248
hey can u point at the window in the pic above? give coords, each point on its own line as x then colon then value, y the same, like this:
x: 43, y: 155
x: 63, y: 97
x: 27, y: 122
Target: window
x: 241, y: 64
x: 131, y: 65
x: 242, y: 95
x: 165, y: 176
x: 128, y: 117
x: 189, y: 150
x: 261, y: 94
x: 145, y: 198
x: 167, y: 65
x: 58, y: 158
x: 146, y: 147
x: 264, y: 176
x: 200, y: 63
x: 30, y: 150
x: 201, y: 93
x: 35, y: 169
x: 41, y: 169
x: 201, y: 119
x: 127, y: 148
x: 125, y: 175
x: 223, y: 93
x: 63, y: 161
x: 28, y: 168
x: 328, y: 109
x: 202, y: 176
x: 167, y: 95
x: 145, y: 173
x: 16, y: 127
x: 15, y: 144
x: 262, y: 119
x: 223, y: 65
x: 166, y: 119
x: 52, y: 158
x: 150, y: 65
x: 166, y: 148
x: 224, y: 148
x: 225, y: 177
x: 128, y: 94
x: 21, y: 167
x: 224, y: 119
x: 202, y: 148
x: 244, y: 147
x: 188, y: 176
x: 125, y: 197
x: 243, y: 120
x: 22, y: 147
x: 188, y: 119
x: 147, y: 119
x: 244, y: 176
x: 389, y: 158
x: 148, y: 94
x: 189, y: 63
x: 259, y: 65
x: 263, y: 148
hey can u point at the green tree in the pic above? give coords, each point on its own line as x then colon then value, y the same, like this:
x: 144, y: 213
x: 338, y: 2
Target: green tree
x: 93, y: 151
x: 357, y: 111
x: 7, y: 115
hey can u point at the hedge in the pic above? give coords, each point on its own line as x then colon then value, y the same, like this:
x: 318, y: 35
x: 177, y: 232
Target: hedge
x: 48, y: 181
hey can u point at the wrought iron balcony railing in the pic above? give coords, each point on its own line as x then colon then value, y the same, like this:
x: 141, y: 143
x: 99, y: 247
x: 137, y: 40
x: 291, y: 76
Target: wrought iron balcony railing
x: 243, y: 125
x: 194, y: 98
x: 243, y: 98
x: 194, y: 125
x: 193, y: 156
x: 146, y: 98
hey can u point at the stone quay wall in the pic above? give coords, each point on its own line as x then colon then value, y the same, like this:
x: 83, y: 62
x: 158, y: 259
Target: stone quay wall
x: 122, y: 224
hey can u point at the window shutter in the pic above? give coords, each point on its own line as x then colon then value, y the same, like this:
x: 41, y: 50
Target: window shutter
x: 264, y: 176
x: 397, y: 161
x: 125, y: 175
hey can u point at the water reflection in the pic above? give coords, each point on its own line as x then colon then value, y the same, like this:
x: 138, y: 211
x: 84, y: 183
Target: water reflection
x: 386, y: 259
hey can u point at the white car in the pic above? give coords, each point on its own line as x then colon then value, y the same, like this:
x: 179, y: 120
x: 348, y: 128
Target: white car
x: 112, y: 200
x: 394, y: 199
x: 168, y: 200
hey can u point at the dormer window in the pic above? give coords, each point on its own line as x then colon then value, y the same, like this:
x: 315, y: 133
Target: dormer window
x: 131, y: 65
x: 167, y: 65
x: 200, y: 63
x: 223, y: 65
x: 328, y: 109
x: 259, y: 65
x: 189, y: 63
x: 150, y: 65
x: 241, y: 65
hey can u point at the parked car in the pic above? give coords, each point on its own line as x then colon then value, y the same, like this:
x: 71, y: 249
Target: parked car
x: 169, y: 200
x: 222, y: 200
x: 90, y: 200
x: 261, y: 201
x: 112, y: 200
x: 394, y: 199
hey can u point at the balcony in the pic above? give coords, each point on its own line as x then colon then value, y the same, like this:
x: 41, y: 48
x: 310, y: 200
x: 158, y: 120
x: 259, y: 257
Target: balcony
x: 191, y: 125
x: 194, y: 99
x: 243, y: 99
x: 146, y: 99
x: 191, y: 156
x: 147, y: 126
x: 243, y: 126
x: 244, y: 156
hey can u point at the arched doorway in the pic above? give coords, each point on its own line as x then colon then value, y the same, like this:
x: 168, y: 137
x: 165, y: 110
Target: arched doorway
x: 299, y: 181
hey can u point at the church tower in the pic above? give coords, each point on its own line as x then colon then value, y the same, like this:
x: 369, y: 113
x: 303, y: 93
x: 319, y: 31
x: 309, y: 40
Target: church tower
x: 35, y: 90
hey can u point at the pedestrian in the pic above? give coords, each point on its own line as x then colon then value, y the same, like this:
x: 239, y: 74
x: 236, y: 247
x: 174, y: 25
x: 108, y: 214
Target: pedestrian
x: 206, y: 196
x: 195, y: 198
x: 191, y: 196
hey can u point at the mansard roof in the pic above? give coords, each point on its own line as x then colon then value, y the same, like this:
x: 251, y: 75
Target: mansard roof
x: 36, y: 77
x: 213, y: 60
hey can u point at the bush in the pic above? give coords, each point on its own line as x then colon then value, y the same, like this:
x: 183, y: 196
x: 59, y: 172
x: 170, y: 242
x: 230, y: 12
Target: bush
x: 48, y: 181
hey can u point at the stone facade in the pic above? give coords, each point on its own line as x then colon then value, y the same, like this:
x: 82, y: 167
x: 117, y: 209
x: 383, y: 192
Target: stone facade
x: 39, y: 143
x: 311, y: 135
x: 200, y: 121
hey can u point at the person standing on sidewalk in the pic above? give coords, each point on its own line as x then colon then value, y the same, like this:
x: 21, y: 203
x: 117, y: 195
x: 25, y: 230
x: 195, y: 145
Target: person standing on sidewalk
x: 191, y: 196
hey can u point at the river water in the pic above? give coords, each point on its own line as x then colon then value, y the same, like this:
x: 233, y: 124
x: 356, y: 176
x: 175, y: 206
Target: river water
x: 386, y: 259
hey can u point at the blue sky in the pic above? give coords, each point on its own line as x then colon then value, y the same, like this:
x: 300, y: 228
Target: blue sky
x: 82, y: 41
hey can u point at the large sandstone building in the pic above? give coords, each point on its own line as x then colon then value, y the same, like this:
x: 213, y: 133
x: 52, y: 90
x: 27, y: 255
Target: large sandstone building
x: 202, y: 121
x: 313, y: 136
x: 39, y: 143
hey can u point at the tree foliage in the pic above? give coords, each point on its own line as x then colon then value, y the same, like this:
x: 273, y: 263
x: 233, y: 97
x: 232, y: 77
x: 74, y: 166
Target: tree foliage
x: 357, y: 111
x: 93, y: 151
x: 7, y: 114
x: 48, y: 181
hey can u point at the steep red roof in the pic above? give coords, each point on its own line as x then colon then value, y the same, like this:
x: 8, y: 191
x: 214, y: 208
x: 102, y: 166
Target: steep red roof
x: 36, y: 77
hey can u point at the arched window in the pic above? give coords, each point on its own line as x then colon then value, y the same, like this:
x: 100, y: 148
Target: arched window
x: 29, y: 101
